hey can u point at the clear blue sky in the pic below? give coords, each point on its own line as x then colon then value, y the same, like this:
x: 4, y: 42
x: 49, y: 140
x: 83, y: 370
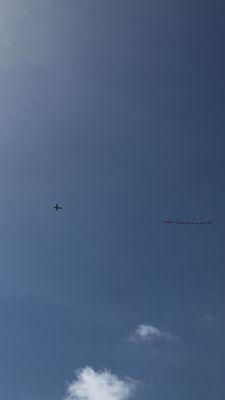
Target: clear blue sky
x: 114, y: 109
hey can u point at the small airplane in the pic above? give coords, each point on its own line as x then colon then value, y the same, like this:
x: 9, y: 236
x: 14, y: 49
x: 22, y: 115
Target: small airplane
x: 57, y: 207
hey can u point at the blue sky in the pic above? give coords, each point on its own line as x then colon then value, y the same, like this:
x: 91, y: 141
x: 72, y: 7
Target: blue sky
x: 114, y: 109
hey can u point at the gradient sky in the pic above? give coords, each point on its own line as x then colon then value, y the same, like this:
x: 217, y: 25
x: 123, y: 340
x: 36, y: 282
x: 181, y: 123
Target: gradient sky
x: 114, y: 109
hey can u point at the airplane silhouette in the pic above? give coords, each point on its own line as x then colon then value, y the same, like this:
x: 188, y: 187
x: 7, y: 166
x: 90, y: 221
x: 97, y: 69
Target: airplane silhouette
x: 57, y: 207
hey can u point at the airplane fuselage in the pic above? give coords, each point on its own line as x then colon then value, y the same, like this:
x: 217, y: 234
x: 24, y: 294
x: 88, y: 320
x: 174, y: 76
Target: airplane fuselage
x: 57, y: 208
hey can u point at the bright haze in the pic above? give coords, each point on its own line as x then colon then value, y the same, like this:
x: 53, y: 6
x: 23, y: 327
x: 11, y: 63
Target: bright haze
x: 114, y: 110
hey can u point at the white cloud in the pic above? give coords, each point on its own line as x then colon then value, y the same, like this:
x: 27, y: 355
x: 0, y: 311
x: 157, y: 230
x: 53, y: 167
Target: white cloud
x: 92, y: 385
x: 150, y: 332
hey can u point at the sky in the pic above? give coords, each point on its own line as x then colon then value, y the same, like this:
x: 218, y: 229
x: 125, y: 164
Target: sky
x: 114, y: 110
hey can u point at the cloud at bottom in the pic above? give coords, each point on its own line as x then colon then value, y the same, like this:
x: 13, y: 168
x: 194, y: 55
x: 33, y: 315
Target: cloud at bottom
x: 100, y: 385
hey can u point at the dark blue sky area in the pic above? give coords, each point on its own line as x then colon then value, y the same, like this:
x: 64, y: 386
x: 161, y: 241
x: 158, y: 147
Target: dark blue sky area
x: 114, y: 109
